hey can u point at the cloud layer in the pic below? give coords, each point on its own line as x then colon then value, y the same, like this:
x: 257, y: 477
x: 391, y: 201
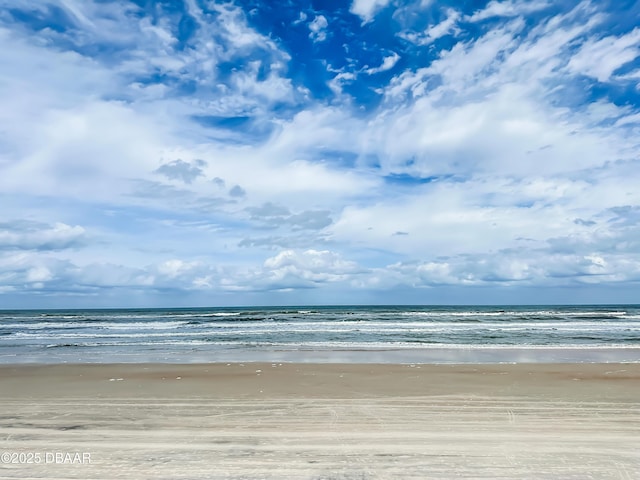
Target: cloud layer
x: 372, y: 151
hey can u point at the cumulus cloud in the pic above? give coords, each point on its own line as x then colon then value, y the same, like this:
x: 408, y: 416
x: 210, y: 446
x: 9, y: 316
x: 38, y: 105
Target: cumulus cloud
x: 318, y: 28
x: 367, y: 9
x: 288, y: 269
x: 517, y: 268
x: 52, y: 276
x: 29, y: 235
x: 291, y: 269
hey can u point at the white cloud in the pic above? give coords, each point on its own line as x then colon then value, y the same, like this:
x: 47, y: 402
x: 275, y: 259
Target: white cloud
x: 39, y: 274
x: 236, y: 30
x: 489, y: 214
x: 175, y: 268
x: 387, y: 64
x: 72, y: 144
x: 512, y: 268
x: 510, y: 8
x: 25, y: 235
x: 580, y: 255
x: 335, y: 84
x: 310, y: 260
x: 367, y: 9
x: 302, y: 17
x: 291, y: 268
x: 492, y: 92
x: 287, y: 269
x: 445, y: 27
x: 273, y: 88
x: 318, y: 28
x: 601, y: 58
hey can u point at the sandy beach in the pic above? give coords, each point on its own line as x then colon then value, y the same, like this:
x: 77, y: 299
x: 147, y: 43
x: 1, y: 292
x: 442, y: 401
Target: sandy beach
x: 320, y: 421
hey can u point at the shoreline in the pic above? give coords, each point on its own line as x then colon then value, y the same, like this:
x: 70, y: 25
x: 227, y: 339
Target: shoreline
x: 446, y: 355
x: 322, y: 421
x: 308, y: 379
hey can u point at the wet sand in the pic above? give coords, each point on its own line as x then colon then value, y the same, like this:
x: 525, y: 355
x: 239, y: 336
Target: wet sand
x: 320, y: 421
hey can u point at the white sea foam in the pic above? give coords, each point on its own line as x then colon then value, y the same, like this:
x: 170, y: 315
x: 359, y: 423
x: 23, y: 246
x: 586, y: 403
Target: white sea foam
x: 516, y: 313
x: 357, y: 345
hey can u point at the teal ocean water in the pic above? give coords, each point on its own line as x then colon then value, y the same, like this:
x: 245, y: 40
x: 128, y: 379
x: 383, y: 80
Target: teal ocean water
x: 416, y: 334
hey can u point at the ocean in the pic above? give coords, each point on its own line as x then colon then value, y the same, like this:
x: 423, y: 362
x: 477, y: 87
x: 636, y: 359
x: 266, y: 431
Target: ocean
x: 377, y: 334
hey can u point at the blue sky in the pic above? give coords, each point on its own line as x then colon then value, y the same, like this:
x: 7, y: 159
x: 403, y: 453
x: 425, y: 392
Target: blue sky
x: 178, y: 153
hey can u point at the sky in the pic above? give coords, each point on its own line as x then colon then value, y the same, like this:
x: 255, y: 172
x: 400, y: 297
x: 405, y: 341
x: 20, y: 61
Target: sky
x: 204, y: 153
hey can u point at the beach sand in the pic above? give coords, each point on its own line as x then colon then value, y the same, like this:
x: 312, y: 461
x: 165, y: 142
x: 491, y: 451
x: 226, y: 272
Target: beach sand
x: 320, y: 421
